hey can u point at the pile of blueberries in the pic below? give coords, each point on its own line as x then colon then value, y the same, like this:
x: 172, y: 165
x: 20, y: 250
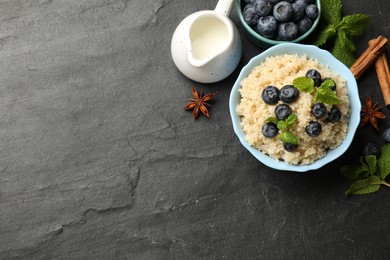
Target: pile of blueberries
x: 271, y: 95
x: 280, y: 20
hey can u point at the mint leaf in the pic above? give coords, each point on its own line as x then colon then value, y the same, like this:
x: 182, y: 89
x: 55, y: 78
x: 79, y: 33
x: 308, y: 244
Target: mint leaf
x: 351, y: 172
x: 326, y: 95
x: 272, y: 119
x: 287, y: 137
x: 371, y: 164
x: 368, y: 166
x: 345, y: 41
x: 291, y: 119
x: 282, y: 125
x: 328, y: 83
x: 328, y: 33
x: 331, y: 11
x: 364, y: 186
x: 354, y: 24
x: 384, y: 162
x: 342, y: 53
x: 304, y: 83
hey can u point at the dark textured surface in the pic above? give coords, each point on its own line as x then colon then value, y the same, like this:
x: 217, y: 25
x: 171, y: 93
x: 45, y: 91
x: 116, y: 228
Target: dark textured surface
x: 98, y: 160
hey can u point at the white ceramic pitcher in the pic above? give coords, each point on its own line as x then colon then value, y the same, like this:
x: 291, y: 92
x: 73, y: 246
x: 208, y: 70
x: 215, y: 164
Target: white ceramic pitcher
x: 206, y: 46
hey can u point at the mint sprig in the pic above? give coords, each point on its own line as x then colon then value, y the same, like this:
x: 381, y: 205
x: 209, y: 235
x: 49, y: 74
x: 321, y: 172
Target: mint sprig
x: 370, y: 174
x: 326, y: 95
x: 343, y: 29
x: 323, y: 93
x: 283, y: 125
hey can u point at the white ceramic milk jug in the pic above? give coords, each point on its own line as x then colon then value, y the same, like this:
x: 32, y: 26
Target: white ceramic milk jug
x: 206, y: 46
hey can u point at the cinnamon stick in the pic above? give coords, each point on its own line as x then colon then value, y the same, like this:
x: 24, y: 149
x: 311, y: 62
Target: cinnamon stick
x: 383, y: 73
x: 374, y: 50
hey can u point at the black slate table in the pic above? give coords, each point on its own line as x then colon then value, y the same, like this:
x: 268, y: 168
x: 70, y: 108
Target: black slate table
x: 98, y: 159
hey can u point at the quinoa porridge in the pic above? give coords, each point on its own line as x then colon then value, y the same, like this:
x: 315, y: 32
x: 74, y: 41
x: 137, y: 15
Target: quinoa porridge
x: 323, y: 133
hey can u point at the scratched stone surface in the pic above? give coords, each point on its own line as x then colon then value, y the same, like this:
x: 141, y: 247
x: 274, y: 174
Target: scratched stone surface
x: 98, y: 160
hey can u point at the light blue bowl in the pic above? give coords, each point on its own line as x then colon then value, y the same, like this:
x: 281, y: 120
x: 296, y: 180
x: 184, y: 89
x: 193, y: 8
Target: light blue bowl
x: 323, y: 57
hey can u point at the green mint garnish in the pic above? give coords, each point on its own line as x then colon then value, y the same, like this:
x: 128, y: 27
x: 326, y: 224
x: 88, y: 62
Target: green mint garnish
x: 272, y: 119
x: 343, y: 29
x: 364, y: 186
x: 370, y: 174
x: 282, y: 125
x: 328, y: 83
x: 291, y: 119
x: 384, y: 162
x: 367, y: 167
x: 304, y: 83
x: 325, y: 95
x: 287, y: 137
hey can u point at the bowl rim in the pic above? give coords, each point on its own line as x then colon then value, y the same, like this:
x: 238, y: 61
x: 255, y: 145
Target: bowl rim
x: 324, y: 57
x: 257, y: 36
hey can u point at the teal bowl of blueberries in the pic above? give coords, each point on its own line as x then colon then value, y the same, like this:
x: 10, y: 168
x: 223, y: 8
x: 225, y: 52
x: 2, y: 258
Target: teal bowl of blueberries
x: 270, y: 22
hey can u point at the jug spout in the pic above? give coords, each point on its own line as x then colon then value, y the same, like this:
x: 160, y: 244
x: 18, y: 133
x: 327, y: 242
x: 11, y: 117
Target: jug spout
x: 197, y: 62
x: 224, y: 7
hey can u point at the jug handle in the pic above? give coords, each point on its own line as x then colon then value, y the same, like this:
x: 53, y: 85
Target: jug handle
x: 224, y: 7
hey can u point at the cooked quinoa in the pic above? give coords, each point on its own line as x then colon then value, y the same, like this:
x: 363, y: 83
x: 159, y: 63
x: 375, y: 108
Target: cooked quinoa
x: 279, y: 71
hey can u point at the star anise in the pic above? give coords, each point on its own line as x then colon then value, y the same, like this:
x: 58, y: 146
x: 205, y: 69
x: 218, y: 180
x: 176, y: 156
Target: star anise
x: 199, y: 103
x: 370, y: 113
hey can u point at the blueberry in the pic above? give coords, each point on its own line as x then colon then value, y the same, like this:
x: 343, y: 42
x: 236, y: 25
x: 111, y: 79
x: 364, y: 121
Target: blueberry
x: 311, y: 2
x: 312, y: 11
x: 267, y: 26
x: 269, y: 130
x: 371, y: 148
x: 299, y: 11
x: 334, y: 115
x: 288, y: 94
x: 313, y: 129
x: 249, y: 1
x: 282, y: 111
x: 386, y: 135
x: 304, y: 25
x: 263, y: 7
x: 283, y: 11
x: 315, y: 75
x: 274, y: 2
x: 250, y: 15
x: 287, y: 31
x: 318, y: 110
x: 270, y: 95
x: 290, y: 147
x: 302, y: 2
x: 332, y: 88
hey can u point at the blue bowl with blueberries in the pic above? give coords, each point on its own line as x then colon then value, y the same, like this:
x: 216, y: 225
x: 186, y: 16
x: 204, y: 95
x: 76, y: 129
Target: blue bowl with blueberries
x: 323, y: 57
x: 270, y: 22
